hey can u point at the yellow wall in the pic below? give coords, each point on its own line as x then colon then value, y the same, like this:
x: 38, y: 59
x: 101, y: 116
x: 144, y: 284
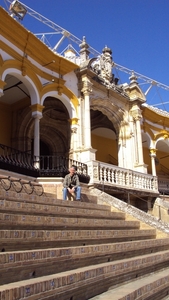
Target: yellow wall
x: 147, y: 159
x: 162, y: 161
x: 104, y: 147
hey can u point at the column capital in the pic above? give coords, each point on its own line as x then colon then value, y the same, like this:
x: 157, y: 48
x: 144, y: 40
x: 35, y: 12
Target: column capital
x: 153, y: 152
x: 136, y: 113
x: 74, y: 130
x: 87, y: 85
x: 73, y: 121
x: 37, y: 110
x: 137, y: 116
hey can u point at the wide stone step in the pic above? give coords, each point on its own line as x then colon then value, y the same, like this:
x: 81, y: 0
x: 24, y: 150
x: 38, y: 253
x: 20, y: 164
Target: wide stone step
x: 86, y: 282
x: 22, y: 265
x: 34, y: 239
x: 151, y: 287
x: 46, y: 209
x: 49, y: 200
x: 15, y: 221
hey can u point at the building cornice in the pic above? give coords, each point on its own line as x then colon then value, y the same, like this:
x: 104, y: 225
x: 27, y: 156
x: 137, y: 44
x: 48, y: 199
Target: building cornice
x: 155, y: 115
x: 31, y: 46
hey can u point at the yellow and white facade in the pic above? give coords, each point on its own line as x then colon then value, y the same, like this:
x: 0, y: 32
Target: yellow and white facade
x: 51, y: 104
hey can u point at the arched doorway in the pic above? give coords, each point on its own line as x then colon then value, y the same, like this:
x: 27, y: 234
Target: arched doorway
x: 103, y: 137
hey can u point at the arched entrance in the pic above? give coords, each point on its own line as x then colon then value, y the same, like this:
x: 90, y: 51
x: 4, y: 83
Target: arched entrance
x: 103, y: 137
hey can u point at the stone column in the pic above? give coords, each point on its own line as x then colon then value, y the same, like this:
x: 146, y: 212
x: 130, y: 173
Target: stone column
x: 37, y: 115
x: 86, y: 90
x: 139, y: 145
x: 74, y: 138
x: 139, y: 161
x: 87, y: 153
x: 153, y: 156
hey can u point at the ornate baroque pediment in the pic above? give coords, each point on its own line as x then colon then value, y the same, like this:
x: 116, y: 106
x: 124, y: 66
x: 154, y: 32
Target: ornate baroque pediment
x: 102, y: 66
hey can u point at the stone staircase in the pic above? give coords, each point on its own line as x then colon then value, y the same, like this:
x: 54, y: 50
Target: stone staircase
x: 68, y: 250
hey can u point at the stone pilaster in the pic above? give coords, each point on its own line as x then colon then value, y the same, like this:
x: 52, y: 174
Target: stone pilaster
x: 139, y: 161
x: 87, y: 152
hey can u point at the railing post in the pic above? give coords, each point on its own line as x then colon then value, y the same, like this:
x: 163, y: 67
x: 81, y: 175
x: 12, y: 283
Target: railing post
x: 93, y: 171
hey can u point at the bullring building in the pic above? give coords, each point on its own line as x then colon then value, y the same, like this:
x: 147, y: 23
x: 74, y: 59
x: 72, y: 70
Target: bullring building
x: 57, y: 110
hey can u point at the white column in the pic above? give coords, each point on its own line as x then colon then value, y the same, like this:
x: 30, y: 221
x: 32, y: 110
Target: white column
x: 37, y: 115
x: 87, y: 153
x: 153, y: 156
x: 36, y: 136
x: 73, y: 143
x: 36, y: 141
x: 139, y: 140
x: 87, y: 124
x: 138, y: 163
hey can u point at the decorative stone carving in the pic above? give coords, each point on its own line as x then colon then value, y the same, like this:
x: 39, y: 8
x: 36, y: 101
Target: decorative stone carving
x: 136, y: 114
x: 106, y: 64
x: 102, y: 66
x: 87, y: 86
x: 153, y: 152
x: 74, y: 130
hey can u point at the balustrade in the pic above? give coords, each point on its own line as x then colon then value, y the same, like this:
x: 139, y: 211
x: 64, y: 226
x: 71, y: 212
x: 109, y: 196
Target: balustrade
x: 98, y: 172
x: 163, y: 184
x: 114, y: 175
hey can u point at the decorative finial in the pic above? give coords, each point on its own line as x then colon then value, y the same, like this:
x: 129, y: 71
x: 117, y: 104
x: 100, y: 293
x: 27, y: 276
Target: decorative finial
x: 84, y: 52
x: 133, y: 78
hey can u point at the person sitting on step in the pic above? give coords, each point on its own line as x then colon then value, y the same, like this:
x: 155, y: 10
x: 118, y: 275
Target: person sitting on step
x: 71, y: 184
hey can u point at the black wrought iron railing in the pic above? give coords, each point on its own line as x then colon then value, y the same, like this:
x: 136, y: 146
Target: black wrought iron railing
x: 47, y: 165
x: 17, y: 161
x: 58, y: 166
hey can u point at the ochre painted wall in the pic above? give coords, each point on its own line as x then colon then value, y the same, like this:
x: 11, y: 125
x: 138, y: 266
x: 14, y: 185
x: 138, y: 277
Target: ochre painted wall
x: 105, y: 149
x: 163, y: 161
x: 147, y: 159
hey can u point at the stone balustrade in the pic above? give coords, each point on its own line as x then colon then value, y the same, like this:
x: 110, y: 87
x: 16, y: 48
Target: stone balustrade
x: 103, y: 173
x: 163, y: 184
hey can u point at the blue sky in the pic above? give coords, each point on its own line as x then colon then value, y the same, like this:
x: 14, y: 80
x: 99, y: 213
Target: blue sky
x: 136, y: 31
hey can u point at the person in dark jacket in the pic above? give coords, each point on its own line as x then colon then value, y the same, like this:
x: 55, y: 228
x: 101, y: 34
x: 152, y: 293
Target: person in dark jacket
x: 71, y: 184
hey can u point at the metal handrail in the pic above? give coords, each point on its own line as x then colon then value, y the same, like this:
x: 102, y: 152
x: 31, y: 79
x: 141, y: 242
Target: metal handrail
x: 48, y: 165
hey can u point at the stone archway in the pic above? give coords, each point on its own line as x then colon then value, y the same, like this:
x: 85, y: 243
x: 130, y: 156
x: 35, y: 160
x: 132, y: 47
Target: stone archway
x: 113, y: 112
x: 106, y: 118
x: 103, y: 133
x: 54, y: 128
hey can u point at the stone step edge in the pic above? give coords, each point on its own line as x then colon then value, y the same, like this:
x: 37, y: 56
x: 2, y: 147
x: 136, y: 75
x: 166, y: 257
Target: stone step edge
x: 53, y: 201
x: 24, y: 207
x: 73, y: 278
x: 138, y: 288
x: 40, y: 220
x: 73, y: 235
x: 15, y: 257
